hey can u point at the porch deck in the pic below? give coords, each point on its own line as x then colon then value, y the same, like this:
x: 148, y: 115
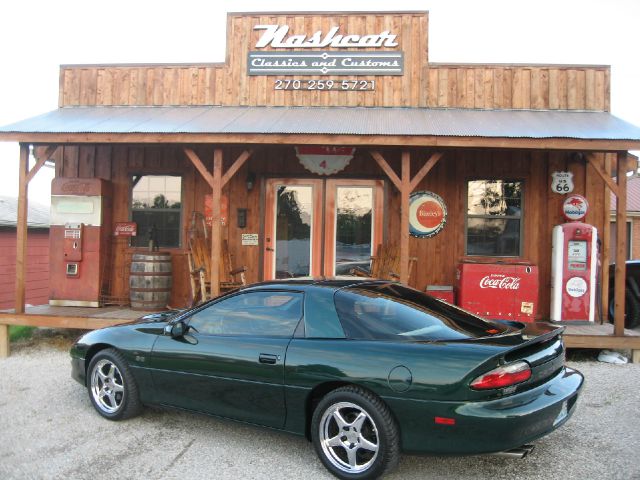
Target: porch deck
x: 85, y: 318
x: 576, y: 336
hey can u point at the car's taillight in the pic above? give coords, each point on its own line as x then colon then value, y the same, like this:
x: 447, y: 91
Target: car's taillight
x: 503, y: 376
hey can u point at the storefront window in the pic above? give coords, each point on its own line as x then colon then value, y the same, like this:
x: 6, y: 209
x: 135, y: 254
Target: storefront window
x: 494, y: 218
x: 156, y: 206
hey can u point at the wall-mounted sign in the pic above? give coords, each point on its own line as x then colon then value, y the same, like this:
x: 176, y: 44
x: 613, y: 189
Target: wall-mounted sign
x: 275, y: 36
x: 249, y: 239
x: 126, y: 229
x: 562, y: 182
x: 208, y: 210
x: 427, y: 214
x: 325, y: 63
x: 324, y: 160
x: 575, y: 207
x: 328, y: 62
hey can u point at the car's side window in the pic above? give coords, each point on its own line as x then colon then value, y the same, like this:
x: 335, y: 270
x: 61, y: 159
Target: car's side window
x: 263, y: 313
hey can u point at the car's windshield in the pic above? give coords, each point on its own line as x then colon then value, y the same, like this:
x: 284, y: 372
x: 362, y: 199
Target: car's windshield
x: 393, y: 312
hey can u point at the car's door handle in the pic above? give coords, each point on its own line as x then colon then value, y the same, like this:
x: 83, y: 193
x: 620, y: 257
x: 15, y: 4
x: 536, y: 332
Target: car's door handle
x: 268, y: 358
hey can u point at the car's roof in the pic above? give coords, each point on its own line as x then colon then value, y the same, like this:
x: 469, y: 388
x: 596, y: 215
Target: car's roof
x: 305, y: 282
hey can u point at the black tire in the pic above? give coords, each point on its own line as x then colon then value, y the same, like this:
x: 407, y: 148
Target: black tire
x: 631, y: 310
x: 112, y: 389
x: 368, y: 423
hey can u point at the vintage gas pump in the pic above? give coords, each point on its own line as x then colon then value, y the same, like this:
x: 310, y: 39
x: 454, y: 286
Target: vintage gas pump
x: 78, y: 240
x: 573, y: 265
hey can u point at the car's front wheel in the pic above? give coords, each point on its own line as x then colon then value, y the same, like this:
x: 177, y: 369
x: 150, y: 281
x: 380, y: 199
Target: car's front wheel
x: 112, y: 388
x: 354, y: 434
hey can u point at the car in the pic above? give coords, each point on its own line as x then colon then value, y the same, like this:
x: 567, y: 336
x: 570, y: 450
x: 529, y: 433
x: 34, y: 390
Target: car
x: 631, y: 294
x: 364, y: 369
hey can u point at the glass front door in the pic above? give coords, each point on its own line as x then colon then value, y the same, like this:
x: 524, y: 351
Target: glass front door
x: 321, y: 227
x: 293, y: 227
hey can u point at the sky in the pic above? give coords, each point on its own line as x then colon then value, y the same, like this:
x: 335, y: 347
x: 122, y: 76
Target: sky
x: 37, y: 36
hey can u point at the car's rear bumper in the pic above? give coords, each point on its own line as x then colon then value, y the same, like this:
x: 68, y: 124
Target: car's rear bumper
x: 487, y: 427
x: 78, y: 371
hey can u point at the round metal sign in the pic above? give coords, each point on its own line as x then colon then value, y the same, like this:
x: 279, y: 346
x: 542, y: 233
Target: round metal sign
x: 576, y: 287
x: 427, y: 214
x: 575, y: 207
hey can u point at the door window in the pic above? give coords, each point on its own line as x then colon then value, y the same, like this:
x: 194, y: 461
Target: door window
x: 271, y: 313
x: 321, y: 227
x: 353, y: 224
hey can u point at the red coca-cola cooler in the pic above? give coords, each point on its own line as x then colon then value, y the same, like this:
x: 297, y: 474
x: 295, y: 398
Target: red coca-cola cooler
x: 498, y: 291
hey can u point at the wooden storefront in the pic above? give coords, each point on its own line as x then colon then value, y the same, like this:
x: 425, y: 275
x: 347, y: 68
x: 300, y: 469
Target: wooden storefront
x: 219, y: 129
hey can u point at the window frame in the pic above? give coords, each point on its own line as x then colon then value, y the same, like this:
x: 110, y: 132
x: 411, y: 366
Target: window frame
x: 506, y: 217
x: 132, y: 175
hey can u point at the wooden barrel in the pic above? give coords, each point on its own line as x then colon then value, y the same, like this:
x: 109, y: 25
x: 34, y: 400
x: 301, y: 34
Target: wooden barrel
x: 150, y: 281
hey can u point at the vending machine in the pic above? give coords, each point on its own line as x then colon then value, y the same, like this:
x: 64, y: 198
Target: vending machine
x: 573, y: 272
x: 78, y: 240
x: 500, y: 291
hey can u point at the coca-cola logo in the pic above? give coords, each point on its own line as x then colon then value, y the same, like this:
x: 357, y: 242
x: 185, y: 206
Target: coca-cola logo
x: 126, y: 229
x: 501, y: 282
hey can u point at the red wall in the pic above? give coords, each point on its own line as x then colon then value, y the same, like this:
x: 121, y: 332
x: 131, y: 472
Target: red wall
x: 37, y: 286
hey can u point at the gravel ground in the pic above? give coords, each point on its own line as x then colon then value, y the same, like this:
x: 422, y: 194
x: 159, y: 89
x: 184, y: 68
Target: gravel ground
x: 48, y: 429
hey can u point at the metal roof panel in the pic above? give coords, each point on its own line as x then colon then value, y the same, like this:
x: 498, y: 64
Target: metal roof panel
x: 332, y: 121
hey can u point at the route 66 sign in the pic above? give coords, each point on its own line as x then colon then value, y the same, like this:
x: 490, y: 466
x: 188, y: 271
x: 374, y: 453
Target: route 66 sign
x: 562, y: 182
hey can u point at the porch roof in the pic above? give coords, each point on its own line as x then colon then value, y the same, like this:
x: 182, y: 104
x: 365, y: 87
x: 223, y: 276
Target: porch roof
x: 389, y: 125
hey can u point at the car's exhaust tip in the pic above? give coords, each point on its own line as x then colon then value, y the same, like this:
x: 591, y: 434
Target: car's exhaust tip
x: 519, y: 452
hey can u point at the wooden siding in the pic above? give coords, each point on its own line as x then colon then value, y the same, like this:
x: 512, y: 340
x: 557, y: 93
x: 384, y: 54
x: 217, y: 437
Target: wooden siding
x: 37, y: 281
x: 438, y: 256
x: 422, y: 85
x: 536, y: 87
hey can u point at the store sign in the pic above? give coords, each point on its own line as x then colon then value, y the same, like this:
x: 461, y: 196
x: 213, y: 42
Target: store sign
x: 325, y: 63
x: 275, y: 36
x: 323, y: 160
x: 562, y: 182
x: 575, y: 207
x: 427, y: 214
x: 300, y: 62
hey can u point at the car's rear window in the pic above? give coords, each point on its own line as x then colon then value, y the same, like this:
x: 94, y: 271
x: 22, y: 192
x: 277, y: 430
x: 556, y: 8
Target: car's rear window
x: 394, y: 312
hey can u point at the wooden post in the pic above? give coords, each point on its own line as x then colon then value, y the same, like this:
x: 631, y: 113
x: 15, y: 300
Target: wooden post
x: 606, y: 241
x: 216, y: 227
x: 405, y: 191
x: 21, y: 245
x: 621, y: 244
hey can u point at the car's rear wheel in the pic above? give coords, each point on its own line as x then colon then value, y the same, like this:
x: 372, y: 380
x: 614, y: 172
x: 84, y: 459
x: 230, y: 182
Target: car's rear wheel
x: 631, y: 310
x: 112, y: 388
x: 354, y: 434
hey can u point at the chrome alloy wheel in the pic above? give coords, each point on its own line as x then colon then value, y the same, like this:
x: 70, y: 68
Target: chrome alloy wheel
x: 349, y: 437
x: 107, y: 386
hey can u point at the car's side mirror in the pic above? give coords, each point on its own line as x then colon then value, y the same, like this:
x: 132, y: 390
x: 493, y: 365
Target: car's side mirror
x: 176, y: 330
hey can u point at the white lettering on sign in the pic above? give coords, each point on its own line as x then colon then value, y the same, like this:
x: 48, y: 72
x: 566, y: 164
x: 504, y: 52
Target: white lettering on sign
x: 275, y: 36
x: 501, y: 282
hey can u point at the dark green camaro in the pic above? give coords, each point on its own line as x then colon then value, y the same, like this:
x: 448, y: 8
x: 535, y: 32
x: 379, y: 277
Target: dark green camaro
x: 365, y: 369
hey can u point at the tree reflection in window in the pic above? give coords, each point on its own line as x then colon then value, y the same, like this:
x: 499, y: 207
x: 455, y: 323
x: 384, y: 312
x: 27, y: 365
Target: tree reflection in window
x: 156, y: 206
x: 494, y: 217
